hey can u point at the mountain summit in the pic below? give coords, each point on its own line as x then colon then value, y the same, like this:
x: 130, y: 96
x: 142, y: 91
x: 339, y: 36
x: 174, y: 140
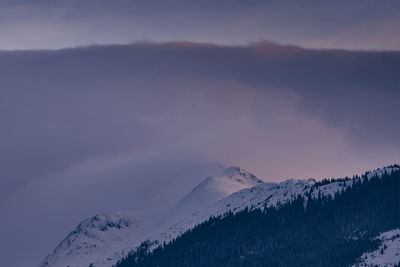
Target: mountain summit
x: 213, y: 189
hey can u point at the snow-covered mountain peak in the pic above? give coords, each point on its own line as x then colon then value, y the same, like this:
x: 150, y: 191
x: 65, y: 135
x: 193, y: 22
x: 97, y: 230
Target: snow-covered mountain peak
x: 240, y: 175
x: 235, y: 175
x: 215, y: 188
x: 106, y: 221
x: 237, y: 171
x: 102, y: 234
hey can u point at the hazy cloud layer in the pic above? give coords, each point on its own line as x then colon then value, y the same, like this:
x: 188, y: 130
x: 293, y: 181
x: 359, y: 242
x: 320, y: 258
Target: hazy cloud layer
x: 135, y: 127
x: 360, y: 24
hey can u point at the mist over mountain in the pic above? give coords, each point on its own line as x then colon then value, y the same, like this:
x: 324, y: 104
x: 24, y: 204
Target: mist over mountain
x: 120, y: 119
x: 135, y: 127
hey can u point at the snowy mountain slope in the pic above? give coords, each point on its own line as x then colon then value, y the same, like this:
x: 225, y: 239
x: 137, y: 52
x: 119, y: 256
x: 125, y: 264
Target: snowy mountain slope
x: 269, y: 194
x: 333, y: 187
x: 388, y: 253
x: 379, y: 172
x: 212, y: 189
x: 97, y: 238
x: 105, y: 238
x: 264, y: 194
x: 109, y: 238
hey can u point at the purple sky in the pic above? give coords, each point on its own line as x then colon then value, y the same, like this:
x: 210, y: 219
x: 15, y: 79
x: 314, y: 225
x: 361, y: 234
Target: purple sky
x: 127, y: 127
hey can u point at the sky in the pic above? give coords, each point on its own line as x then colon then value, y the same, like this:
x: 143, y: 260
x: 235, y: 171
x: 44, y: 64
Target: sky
x: 41, y: 24
x: 170, y: 94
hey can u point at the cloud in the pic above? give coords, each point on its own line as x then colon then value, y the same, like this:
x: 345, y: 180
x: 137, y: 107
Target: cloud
x: 341, y: 24
x: 134, y: 127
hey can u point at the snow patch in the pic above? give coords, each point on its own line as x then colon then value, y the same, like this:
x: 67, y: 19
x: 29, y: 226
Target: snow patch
x: 388, y: 253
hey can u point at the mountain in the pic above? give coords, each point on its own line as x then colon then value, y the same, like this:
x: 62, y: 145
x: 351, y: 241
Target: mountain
x: 107, y: 238
x: 310, y: 230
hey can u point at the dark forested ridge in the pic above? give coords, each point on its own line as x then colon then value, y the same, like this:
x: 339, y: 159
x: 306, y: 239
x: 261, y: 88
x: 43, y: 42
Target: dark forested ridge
x: 322, y: 231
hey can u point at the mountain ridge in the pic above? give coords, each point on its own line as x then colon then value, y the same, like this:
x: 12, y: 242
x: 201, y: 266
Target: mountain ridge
x: 116, y: 242
x: 308, y: 230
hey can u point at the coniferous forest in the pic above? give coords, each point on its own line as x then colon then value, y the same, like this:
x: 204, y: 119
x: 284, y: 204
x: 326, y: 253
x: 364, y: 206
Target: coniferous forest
x: 322, y: 231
